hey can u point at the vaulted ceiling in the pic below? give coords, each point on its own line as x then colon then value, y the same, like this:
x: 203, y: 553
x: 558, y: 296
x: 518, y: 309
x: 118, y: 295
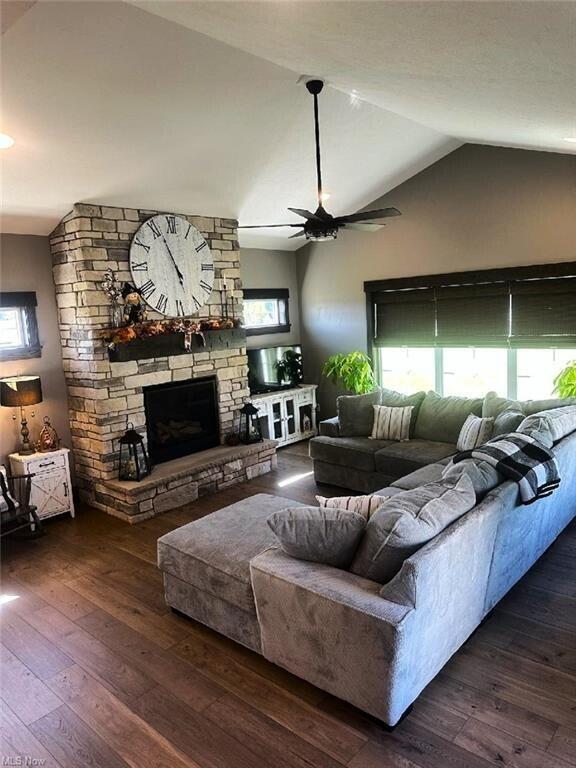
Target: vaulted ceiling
x: 195, y: 106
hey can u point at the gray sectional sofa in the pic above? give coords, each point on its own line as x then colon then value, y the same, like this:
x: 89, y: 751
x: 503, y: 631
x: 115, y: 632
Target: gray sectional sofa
x: 345, y: 456
x: 374, y: 645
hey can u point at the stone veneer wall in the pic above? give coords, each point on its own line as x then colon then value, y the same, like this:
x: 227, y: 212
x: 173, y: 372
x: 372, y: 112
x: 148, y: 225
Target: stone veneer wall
x: 102, y: 395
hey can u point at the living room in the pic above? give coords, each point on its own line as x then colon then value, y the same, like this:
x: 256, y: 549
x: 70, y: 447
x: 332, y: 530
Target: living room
x: 287, y: 384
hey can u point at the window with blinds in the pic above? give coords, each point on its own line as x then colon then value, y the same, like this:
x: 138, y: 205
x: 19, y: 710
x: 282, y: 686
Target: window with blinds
x: 526, y: 307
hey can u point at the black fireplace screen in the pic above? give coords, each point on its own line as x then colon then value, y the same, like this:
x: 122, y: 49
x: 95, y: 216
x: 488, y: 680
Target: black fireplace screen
x: 181, y: 418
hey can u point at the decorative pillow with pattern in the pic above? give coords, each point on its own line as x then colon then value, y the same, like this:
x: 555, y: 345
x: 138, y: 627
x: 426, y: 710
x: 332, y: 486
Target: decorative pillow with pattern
x: 391, y: 423
x: 362, y: 505
x: 475, y: 431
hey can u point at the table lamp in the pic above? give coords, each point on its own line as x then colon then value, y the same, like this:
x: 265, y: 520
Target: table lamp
x: 21, y: 392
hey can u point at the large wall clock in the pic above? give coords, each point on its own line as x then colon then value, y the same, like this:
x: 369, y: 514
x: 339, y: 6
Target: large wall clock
x: 171, y: 265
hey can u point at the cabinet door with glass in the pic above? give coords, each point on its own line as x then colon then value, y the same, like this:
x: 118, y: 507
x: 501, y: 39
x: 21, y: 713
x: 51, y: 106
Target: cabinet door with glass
x: 289, y: 414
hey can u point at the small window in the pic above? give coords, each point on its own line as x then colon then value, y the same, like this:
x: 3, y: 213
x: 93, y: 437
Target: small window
x: 18, y: 326
x: 266, y: 311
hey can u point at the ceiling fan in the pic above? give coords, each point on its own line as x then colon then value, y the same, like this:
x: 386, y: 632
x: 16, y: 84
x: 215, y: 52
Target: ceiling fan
x: 321, y: 225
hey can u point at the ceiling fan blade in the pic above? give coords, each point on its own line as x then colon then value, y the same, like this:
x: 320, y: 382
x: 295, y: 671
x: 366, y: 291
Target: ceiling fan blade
x: 381, y: 213
x: 304, y: 213
x: 364, y: 227
x: 297, y: 234
x: 267, y: 226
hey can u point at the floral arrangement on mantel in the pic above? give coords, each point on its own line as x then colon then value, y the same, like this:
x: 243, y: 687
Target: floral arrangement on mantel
x: 189, y: 328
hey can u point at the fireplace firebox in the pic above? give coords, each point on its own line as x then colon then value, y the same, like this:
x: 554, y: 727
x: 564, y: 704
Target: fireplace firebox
x: 181, y: 418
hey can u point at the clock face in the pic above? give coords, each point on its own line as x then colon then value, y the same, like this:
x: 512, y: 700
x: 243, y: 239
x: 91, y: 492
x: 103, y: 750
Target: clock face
x: 171, y: 266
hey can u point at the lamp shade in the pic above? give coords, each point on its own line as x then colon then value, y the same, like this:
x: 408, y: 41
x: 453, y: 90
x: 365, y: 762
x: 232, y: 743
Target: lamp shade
x: 20, y: 391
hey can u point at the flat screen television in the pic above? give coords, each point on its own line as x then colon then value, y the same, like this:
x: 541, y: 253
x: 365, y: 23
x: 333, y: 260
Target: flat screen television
x: 261, y: 370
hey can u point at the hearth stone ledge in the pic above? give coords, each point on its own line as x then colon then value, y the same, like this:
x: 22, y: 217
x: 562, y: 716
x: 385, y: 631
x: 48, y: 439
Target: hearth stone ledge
x: 181, y: 481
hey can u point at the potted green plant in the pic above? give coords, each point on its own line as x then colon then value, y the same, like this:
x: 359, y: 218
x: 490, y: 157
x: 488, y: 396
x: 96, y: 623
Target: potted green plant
x: 353, y: 370
x: 565, y: 382
x: 289, y: 367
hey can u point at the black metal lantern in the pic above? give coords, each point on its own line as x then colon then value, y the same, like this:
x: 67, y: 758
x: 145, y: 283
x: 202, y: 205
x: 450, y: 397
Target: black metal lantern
x: 134, y: 461
x: 250, y: 430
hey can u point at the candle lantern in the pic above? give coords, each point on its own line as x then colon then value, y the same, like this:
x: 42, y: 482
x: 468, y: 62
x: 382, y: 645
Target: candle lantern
x: 250, y: 430
x: 134, y: 461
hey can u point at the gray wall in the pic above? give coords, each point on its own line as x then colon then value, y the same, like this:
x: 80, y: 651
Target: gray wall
x: 477, y: 208
x: 272, y: 269
x: 26, y: 265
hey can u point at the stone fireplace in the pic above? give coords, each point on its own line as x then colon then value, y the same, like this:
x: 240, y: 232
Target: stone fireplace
x: 103, y: 395
x: 181, y: 418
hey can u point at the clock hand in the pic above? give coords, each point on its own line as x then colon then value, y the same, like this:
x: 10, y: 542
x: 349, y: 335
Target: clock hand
x: 180, y: 275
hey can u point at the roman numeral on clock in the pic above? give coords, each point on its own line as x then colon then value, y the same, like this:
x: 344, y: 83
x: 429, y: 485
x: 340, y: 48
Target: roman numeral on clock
x: 139, y: 266
x: 203, y: 244
x: 147, y: 289
x: 196, y: 302
x: 206, y: 286
x: 161, y: 303
x: 171, y: 224
x: 142, y: 245
x: 187, y: 231
x: 180, y: 308
x: 155, y: 229
x: 207, y: 267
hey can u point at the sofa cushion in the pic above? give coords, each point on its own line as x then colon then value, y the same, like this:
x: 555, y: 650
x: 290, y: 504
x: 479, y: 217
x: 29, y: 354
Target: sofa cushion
x: 431, y: 473
x: 494, y: 405
x: 213, y: 553
x: 506, y: 422
x: 408, y: 521
x: 356, y: 413
x: 475, y: 431
x: 355, y: 452
x: 550, y: 426
x: 325, y: 535
x: 484, y: 476
x: 442, y: 418
x: 536, y: 406
x: 399, y: 459
x: 394, y: 399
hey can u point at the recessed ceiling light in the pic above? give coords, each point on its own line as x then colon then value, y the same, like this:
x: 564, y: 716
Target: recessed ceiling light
x: 571, y: 139
x: 5, y: 141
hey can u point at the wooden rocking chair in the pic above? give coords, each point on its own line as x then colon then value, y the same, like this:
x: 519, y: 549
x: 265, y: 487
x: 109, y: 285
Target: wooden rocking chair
x: 16, y: 512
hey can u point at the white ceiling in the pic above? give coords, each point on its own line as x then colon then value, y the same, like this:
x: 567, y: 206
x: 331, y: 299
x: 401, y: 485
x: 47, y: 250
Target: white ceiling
x: 115, y: 104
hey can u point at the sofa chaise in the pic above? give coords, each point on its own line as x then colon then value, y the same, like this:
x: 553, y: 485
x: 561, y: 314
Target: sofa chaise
x: 344, y: 440
x: 375, y: 645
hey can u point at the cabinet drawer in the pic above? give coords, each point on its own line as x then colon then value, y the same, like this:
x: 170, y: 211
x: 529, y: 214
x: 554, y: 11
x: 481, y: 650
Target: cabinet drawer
x: 46, y: 463
x: 305, y: 398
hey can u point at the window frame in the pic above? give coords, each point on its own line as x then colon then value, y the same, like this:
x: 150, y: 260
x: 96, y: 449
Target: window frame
x: 278, y: 294
x: 25, y: 302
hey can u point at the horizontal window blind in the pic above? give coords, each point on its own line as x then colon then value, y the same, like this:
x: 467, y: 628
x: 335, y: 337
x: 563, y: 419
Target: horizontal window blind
x: 473, y: 315
x: 544, y: 311
x: 524, y: 307
x: 406, y: 317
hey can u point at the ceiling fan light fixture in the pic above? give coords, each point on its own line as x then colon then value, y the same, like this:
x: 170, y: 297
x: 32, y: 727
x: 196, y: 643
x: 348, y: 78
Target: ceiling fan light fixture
x: 321, y: 235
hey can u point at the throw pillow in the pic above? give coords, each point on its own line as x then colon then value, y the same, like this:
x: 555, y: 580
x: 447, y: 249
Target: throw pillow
x: 531, y: 407
x: 362, y: 505
x: 395, y: 399
x: 407, y: 522
x: 475, y: 431
x: 391, y: 423
x: 440, y: 419
x: 355, y: 414
x: 484, y: 476
x: 3, y: 503
x: 322, y: 535
x: 506, y: 422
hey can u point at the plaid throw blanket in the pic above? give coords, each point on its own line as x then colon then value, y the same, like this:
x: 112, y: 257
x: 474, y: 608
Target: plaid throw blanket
x: 520, y: 458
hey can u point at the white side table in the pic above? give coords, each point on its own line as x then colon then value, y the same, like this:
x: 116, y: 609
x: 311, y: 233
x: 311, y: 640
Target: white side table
x: 51, y: 491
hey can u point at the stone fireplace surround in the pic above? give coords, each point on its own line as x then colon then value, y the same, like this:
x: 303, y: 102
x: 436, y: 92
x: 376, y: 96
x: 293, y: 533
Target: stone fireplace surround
x: 104, y: 395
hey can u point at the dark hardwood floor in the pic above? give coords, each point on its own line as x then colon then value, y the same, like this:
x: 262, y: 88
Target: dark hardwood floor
x: 96, y: 672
